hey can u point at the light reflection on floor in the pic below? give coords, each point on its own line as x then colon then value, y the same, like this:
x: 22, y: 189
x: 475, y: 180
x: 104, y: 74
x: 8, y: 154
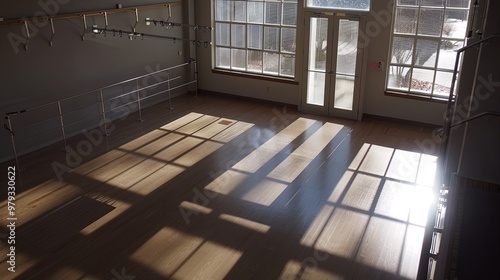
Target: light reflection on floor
x: 375, y: 215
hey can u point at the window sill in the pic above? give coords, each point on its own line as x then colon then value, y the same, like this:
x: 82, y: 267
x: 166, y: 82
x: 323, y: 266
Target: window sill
x: 415, y: 97
x: 255, y: 76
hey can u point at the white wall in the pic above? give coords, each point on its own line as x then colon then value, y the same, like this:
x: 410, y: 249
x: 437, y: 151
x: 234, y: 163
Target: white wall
x: 375, y: 101
x: 71, y: 66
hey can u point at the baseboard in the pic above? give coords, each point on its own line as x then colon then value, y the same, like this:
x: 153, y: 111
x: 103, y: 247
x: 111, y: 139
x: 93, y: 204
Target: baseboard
x: 248, y: 98
x: 402, y: 121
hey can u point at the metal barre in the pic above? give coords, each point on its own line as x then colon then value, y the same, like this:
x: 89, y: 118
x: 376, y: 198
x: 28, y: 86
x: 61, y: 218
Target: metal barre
x: 60, y: 115
x: 98, y: 30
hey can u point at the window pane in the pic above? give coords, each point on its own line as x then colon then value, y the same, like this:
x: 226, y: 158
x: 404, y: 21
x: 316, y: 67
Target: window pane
x: 240, y: 11
x: 271, y: 38
x: 273, y: 13
x: 344, y: 92
x: 422, y: 80
x: 289, y: 14
x: 347, y: 46
x: 255, y: 12
x: 447, y: 54
x: 316, y: 88
x: 223, y: 10
x: 455, y: 24
x: 318, y: 44
x: 288, y: 40
x: 363, y: 5
x: 430, y: 21
x: 271, y: 63
x: 238, y: 59
x: 222, y: 57
x: 399, y: 77
x: 443, y: 84
x: 402, y: 50
x: 458, y: 3
x: 238, y: 35
x: 287, y: 65
x: 254, y: 61
x: 426, y: 52
x: 255, y: 36
x: 432, y: 3
x: 222, y: 36
x: 406, y: 20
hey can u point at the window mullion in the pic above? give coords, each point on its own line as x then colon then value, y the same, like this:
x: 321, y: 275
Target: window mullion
x: 246, y: 44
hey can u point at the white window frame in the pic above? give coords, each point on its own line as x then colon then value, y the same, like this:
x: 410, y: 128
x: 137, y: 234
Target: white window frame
x: 432, y: 94
x: 279, y: 52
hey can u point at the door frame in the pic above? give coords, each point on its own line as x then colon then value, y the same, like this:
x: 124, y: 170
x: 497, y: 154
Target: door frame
x: 332, y: 38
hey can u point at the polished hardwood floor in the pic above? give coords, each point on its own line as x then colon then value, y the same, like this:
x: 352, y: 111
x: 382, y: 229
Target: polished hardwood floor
x: 224, y: 188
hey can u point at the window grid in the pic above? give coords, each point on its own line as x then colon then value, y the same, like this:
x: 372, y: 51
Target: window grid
x: 416, y: 38
x: 275, y: 51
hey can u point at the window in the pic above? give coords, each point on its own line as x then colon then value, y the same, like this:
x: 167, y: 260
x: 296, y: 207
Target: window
x: 256, y: 36
x: 424, y: 39
x: 359, y: 5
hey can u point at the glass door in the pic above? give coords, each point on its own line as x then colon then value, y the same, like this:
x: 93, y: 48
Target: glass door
x: 332, y: 66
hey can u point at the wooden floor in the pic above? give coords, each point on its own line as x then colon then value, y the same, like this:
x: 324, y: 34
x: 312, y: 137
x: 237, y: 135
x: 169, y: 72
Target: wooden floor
x: 224, y: 188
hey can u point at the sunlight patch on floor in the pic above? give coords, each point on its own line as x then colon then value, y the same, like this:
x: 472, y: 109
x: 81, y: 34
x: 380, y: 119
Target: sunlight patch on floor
x: 252, y: 225
x: 404, y: 166
x: 268, y: 150
x: 361, y: 193
x: 210, y: 261
x: 293, y: 165
x: 195, y: 208
x: 59, y: 193
x: 395, y: 200
x: 411, y: 251
x: 265, y: 192
x: 376, y: 160
x: 167, y: 250
x: 427, y: 170
x: 382, y: 245
x: 198, y: 153
x: 342, y: 233
x: 120, y: 207
x: 177, y: 123
x: 165, y: 153
x: 341, y: 187
x: 227, y: 182
x: 313, y: 232
x: 392, y: 190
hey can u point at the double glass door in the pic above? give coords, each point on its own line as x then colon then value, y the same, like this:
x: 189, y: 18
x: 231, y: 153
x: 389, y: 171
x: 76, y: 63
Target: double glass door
x: 333, y: 65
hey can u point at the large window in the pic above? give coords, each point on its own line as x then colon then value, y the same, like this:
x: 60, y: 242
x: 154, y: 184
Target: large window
x: 425, y: 36
x: 256, y: 36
